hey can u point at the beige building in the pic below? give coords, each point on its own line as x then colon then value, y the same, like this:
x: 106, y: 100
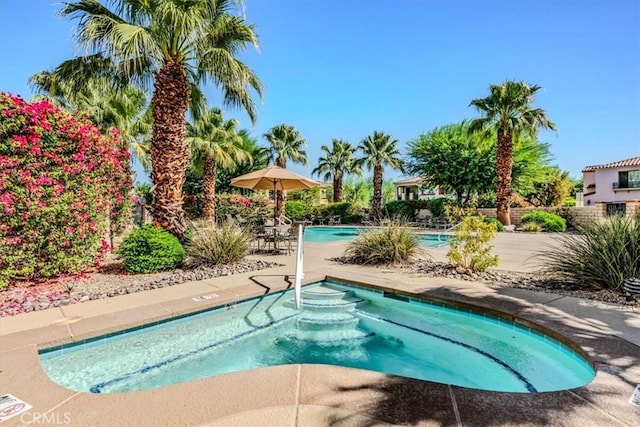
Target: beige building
x: 412, y: 189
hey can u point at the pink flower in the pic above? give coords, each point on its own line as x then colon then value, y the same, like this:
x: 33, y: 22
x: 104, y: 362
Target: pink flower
x: 12, y: 241
x: 6, y: 198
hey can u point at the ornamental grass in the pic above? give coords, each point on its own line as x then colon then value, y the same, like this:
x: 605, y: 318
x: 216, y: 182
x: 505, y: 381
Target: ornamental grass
x: 225, y: 244
x: 602, y: 256
x: 392, y: 244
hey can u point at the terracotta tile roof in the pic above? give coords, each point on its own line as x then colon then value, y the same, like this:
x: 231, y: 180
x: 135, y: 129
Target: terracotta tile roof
x: 410, y: 181
x: 633, y: 161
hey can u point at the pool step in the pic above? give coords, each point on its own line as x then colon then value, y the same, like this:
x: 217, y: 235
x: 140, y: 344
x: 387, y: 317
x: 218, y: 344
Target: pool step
x: 335, y: 322
x: 329, y: 338
x: 345, y: 304
x: 321, y: 292
x: 326, y: 319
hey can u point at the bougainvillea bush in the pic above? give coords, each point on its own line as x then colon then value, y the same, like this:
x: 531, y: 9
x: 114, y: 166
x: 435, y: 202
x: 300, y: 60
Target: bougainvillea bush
x: 61, y: 183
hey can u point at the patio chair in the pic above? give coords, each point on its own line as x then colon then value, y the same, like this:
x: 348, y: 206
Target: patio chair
x: 367, y: 220
x: 423, y: 219
x: 335, y: 220
x: 278, y: 235
x: 292, y: 238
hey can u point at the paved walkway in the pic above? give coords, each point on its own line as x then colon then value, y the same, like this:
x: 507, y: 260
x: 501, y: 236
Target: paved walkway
x: 319, y: 395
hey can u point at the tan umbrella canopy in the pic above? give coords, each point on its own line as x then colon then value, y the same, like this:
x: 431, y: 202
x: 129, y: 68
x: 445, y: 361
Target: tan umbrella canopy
x: 274, y: 178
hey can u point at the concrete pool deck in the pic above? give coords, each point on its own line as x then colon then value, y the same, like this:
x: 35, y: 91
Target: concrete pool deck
x: 319, y: 395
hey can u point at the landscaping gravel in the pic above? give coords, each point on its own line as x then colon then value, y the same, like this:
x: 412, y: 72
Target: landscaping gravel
x: 532, y: 281
x: 111, y: 281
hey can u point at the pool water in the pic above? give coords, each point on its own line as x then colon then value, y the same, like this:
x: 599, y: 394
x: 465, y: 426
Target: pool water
x: 319, y: 234
x: 338, y: 325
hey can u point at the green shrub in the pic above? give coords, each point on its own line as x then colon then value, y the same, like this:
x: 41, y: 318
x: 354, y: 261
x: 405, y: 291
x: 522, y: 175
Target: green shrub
x: 486, y: 200
x: 532, y: 227
x: 295, y: 209
x: 64, y: 186
x: 494, y: 221
x: 148, y: 249
x: 470, y: 247
x: 436, y: 206
x: 225, y: 244
x: 405, y: 208
x: 606, y: 253
x: 339, y: 208
x: 392, y: 244
x: 548, y: 221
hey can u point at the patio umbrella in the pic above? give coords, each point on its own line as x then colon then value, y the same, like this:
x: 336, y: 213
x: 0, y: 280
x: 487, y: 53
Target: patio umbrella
x: 274, y: 178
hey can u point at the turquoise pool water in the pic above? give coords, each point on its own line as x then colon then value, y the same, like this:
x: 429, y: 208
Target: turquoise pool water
x: 338, y: 325
x: 319, y: 234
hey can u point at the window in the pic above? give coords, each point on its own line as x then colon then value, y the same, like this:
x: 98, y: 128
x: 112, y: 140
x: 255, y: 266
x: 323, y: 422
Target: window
x: 628, y: 179
x: 616, y: 209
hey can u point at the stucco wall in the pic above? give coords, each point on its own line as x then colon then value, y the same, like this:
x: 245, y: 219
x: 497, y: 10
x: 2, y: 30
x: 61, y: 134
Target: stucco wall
x: 604, y: 179
x: 575, y: 215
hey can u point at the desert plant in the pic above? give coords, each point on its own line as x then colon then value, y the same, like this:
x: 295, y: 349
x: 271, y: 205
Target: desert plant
x: 148, y: 249
x: 606, y: 253
x: 548, y: 221
x: 225, y: 244
x: 470, y: 247
x: 393, y: 244
x: 532, y: 227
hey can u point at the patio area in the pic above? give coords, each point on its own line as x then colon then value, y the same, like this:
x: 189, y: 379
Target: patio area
x: 319, y: 395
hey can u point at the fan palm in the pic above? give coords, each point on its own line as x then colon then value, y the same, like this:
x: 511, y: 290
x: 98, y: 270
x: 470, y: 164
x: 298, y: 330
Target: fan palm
x: 286, y: 143
x: 126, y: 110
x: 259, y: 160
x: 508, y: 110
x: 175, y: 45
x: 338, y: 161
x: 214, y: 142
x: 379, y: 150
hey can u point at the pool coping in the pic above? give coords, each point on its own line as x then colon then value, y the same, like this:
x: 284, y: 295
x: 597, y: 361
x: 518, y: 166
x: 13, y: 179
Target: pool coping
x: 323, y: 395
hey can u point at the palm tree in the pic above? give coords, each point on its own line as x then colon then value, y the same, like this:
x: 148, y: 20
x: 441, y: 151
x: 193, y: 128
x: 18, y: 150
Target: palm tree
x: 338, y: 161
x: 175, y: 45
x: 285, y: 144
x: 259, y: 160
x: 508, y: 110
x: 214, y: 142
x: 380, y: 150
x: 127, y: 109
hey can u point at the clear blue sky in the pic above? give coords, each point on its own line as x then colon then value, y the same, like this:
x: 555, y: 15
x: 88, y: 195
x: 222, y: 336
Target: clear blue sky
x: 344, y: 68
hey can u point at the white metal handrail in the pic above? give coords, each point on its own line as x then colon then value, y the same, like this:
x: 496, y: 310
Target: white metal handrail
x: 299, y: 269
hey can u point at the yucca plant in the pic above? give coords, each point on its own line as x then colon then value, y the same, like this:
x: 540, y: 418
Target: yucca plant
x: 225, y: 244
x: 606, y: 253
x: 392, y: 244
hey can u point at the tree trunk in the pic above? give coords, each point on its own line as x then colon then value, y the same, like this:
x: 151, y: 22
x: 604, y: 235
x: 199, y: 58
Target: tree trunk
x: 337, y: 188
x: 504, y: 163
x: 377, y: 191
x: 169, y: 149
x: 209, y: 176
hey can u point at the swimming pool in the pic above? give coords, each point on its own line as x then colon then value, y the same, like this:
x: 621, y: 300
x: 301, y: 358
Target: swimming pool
x: 320, y: 234
x: 339, y: 325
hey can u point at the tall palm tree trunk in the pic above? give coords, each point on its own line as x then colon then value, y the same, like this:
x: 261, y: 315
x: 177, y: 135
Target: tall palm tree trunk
x: 169, y: 149
x: 377, y: 191
x: 337, y: 188
x: 209, y: 176
x: 504, y: 164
